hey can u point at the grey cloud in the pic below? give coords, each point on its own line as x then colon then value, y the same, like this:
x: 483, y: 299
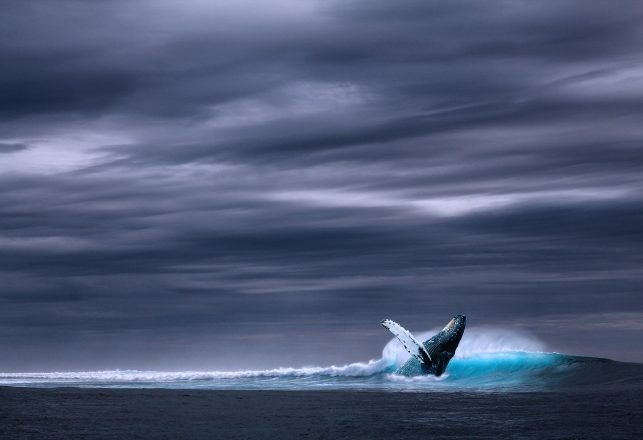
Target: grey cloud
x: 281, y: 180
x: 11, y: 148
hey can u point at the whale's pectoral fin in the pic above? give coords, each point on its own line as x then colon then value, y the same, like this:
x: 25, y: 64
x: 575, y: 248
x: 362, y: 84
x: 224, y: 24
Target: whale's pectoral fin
x: 409, y: 342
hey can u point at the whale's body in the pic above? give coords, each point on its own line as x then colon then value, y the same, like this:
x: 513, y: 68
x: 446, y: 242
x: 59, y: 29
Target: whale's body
x: 433, y: 355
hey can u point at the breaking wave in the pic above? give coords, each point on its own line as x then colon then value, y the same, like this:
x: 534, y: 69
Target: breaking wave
x: 357, y: 369
x: 487, y: 359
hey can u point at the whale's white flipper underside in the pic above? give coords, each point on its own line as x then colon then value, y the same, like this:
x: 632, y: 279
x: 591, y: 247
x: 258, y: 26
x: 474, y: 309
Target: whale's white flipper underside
x: 409, y: 342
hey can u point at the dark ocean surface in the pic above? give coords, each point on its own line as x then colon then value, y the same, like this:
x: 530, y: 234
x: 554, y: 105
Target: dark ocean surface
x: 74, y: 413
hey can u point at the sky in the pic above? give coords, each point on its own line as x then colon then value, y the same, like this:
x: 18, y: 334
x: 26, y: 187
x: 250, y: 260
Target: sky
x: 220, y: 185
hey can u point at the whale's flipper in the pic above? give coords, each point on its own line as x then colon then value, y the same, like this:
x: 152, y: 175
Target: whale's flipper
x: 411, y: 344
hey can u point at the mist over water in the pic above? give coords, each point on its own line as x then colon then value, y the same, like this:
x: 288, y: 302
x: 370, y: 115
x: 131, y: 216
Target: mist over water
x: 487, y: 359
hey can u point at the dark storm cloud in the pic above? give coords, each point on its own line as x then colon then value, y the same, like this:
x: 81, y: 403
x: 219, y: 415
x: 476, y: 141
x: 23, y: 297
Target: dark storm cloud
x: 181, y: 181
x: 11, y: 148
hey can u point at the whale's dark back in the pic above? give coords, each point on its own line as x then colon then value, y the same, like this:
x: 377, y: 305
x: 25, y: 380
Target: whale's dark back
x: 441, y: 348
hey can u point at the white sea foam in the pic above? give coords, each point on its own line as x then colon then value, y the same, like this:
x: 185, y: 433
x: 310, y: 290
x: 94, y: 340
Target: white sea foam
x: 357, y: 369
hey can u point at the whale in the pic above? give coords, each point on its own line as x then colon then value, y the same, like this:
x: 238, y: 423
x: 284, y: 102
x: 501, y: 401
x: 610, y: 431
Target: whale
x: 433, y: 355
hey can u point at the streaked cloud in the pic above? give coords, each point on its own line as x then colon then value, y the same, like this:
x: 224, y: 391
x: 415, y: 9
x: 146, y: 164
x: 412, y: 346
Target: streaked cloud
x: 180, y: 176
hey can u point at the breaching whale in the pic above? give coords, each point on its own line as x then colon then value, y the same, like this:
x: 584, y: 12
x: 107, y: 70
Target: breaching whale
x: 433, y: 355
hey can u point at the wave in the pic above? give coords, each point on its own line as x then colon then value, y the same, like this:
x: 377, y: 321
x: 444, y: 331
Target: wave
x: 357, y: 369
x: 483, y: 371
x: 487, y: 359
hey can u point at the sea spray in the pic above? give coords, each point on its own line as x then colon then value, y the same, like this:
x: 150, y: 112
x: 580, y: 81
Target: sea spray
x: 475, y: 340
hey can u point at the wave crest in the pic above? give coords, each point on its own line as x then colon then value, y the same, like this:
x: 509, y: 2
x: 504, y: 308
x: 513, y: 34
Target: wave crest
x: 357, y: 369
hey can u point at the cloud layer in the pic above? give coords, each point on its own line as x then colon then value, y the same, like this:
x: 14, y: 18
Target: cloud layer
x: 202, y: 184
